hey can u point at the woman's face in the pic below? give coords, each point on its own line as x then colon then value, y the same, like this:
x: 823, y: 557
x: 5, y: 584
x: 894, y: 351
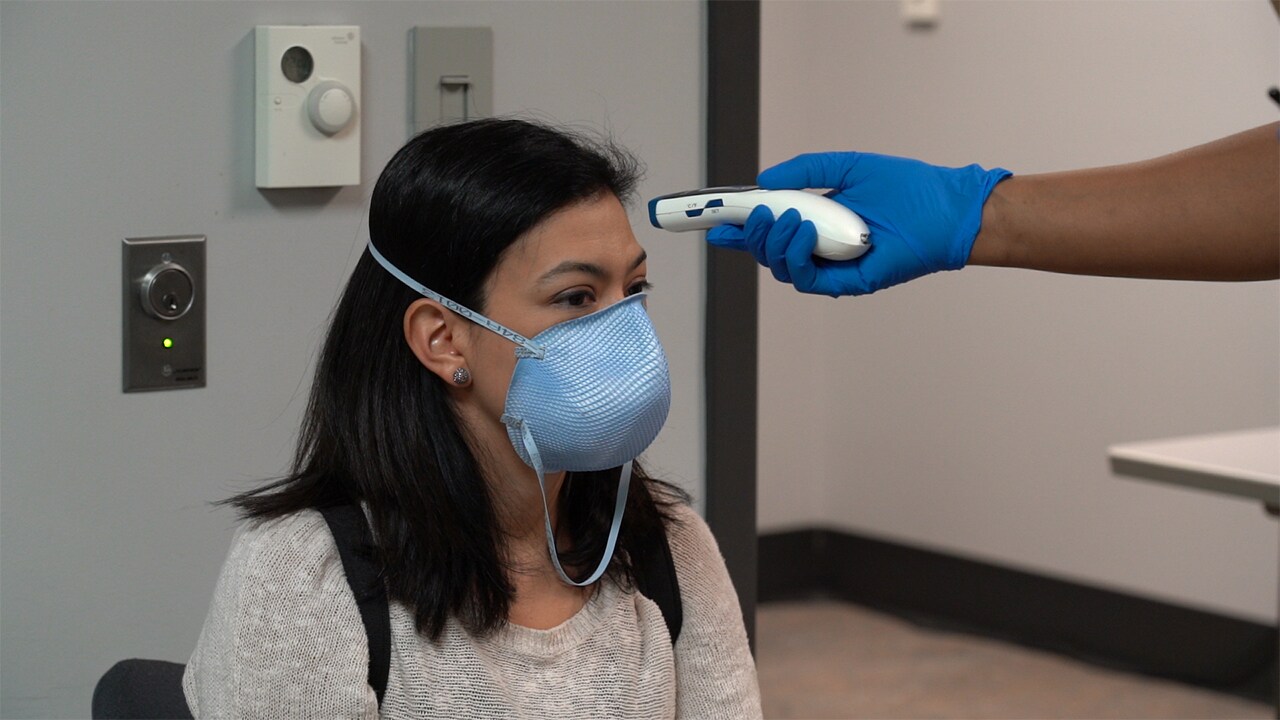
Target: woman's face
x: 577, y: 261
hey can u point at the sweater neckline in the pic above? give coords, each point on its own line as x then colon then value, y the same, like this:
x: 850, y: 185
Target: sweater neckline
x: 561, y: 638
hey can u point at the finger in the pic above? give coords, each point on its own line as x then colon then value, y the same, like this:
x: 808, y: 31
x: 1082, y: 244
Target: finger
x: 799, y: 258
x: 775, y: 245
x: 812, y: 170
x: 824, y: 277
x: 759, y: 222
x: 728, y: 236
x: 886, y: 264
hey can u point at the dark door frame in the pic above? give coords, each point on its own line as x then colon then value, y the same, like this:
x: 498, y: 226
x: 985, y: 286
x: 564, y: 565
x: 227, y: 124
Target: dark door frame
x: 733, y: 150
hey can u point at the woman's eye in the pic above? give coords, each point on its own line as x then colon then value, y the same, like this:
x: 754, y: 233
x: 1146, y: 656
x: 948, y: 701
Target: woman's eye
x: 577, y: 298
x: 639, y: 287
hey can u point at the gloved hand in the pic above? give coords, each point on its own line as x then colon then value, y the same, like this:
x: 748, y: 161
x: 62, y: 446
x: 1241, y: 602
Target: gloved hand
x: 923, y: 219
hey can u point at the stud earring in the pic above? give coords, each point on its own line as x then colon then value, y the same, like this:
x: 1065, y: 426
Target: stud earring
x: 461, y: 376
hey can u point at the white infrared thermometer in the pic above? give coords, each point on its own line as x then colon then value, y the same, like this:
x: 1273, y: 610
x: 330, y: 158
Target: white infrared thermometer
x: 842, y: 235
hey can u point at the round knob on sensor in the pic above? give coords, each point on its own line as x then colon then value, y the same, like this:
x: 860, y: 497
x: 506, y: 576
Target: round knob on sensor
x: 168, y: 291
x: 330, y: 107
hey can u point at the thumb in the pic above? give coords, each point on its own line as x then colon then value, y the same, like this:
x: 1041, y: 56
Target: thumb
x: 811, y: 170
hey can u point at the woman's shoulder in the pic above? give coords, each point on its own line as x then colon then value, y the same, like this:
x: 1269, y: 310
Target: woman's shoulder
x: 692, y: 544
x: 283, y: 624
x: 304, y: 532
x: 295, y: 550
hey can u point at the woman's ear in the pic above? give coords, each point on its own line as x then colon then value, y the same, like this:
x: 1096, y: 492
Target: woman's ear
x: 438, y: 339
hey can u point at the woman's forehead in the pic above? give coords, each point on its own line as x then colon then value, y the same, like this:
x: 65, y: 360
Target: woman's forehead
x: 595, y: 231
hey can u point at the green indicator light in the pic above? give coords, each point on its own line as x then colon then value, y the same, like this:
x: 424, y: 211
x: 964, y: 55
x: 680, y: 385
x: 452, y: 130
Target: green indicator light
x: 168, y: 342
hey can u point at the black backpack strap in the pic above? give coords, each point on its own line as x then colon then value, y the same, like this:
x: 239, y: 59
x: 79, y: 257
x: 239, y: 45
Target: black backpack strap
x: 655, y: 574
x: 355, y: 547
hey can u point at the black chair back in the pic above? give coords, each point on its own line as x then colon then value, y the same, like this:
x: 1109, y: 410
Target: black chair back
x: 150, y: 689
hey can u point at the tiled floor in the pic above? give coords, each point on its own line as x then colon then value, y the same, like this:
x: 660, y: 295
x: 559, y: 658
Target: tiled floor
x: 833, y: 660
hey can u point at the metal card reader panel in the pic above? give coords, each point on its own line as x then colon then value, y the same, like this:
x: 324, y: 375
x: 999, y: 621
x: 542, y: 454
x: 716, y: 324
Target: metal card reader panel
x: 163, y: 313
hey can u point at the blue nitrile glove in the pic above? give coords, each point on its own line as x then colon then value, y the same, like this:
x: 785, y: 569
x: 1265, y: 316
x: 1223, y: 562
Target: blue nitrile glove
x: 923, y: 219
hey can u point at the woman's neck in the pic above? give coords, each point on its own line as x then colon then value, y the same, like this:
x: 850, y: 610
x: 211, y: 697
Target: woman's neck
x: 541, y: 599
x: 517, y: 498
x: 518, y: 504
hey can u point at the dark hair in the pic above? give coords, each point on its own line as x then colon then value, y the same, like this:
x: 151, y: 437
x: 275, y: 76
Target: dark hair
x: 379, y: 427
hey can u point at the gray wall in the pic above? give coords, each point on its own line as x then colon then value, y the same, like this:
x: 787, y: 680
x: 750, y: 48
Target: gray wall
x: 970, y: 412
x: 123, y: 119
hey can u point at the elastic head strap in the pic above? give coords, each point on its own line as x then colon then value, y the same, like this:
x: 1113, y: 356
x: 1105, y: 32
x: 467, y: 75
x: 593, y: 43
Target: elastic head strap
x: 526, y: 349
x: 624, y: 484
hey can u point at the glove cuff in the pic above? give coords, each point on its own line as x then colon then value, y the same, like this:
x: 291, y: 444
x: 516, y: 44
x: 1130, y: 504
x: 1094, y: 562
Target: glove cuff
x: 971, y: 223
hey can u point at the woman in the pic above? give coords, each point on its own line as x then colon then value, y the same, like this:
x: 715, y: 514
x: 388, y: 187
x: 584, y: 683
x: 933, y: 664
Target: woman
x: 489, y: 375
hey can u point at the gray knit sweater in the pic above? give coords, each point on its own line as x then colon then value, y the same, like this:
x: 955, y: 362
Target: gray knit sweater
x: 283, y: 639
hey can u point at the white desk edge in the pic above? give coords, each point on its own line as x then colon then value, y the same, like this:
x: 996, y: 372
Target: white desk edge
x: 1196, y: 462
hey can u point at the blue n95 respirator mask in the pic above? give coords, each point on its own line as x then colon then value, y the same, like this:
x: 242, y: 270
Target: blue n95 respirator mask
x: 587, y: 394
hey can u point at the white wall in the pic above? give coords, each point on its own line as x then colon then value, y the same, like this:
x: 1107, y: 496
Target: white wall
x: 123, y: 119
x: 970, y: 412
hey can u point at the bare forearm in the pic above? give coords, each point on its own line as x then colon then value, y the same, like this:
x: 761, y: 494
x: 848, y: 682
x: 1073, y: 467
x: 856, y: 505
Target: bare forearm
x: 1208, y: 213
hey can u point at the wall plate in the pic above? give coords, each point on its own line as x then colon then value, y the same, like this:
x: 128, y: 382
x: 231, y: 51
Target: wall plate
x: 164, y: 313
x: 452, y: 74
x: 307, y: 110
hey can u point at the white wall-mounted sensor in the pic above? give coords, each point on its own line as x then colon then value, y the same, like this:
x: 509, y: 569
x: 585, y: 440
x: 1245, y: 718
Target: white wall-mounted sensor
x: 307, y: 106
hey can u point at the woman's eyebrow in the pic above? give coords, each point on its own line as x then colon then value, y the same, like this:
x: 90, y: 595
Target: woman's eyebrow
x: 571, y: 266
